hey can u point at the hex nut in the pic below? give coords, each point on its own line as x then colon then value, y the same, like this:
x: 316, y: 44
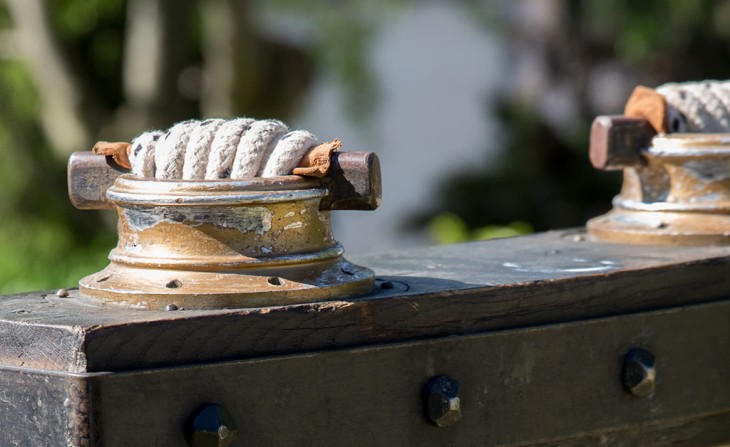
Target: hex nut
x: 211, y: 426
x: 441, y: 401
x: 639, y: 372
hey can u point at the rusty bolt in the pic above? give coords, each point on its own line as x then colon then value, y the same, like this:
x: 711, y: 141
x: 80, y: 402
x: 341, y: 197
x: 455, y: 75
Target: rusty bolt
x: 442, y: 403
x: 639, y: 372
x: 212, y: 426
x: 354, y: 181
x: 617, y: 141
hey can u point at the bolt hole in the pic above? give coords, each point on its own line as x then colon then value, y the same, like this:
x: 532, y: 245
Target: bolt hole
x: 103, y: 279
x: 275, y: 281
x: 575, y: 235
x: 174, y: 284
x: 387, y: 285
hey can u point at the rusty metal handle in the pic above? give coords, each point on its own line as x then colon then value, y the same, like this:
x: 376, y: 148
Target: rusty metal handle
x: 89, y: 176
x: 353, y: 181
x: 617, y: 141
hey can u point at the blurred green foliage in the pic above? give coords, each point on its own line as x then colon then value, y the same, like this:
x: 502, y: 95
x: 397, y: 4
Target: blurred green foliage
x: 44, y: 241
x: 541, y: 177
x: 449, y: 228
x: 39, y: 253
x: 343, y: 33
x: 91, y: 32
x: 542, y: 174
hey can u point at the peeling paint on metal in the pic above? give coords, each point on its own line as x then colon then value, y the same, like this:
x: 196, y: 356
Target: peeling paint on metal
x: 294, y: 225
x: 257, y: 219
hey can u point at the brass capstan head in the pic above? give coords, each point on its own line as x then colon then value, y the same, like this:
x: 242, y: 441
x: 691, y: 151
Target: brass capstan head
x: 205, y: 244
x: 676, y: 188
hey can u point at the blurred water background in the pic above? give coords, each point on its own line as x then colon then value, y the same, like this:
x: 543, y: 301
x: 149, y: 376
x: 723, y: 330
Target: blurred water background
x: 478, y: 109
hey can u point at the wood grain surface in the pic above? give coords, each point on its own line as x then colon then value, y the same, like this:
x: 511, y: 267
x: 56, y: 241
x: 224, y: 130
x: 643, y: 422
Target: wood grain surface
x: 447, y: 290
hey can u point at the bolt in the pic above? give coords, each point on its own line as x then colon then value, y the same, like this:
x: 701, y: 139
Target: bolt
x: 212, y: 426
x: 171, y: 307
x: 639, y: 372
x: 63, y: 293
x: 441, y: 401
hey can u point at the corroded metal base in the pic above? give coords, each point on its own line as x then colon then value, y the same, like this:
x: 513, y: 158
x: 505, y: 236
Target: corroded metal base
x: 665, y: 228
x: 145, y: 288
x: 223, y: 244
x: 679, y: 194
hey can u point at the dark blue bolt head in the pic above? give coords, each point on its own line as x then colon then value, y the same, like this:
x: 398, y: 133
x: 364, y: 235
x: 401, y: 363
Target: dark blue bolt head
x: 212, y: 426
x: 639, y: 372
x: 441, y: 401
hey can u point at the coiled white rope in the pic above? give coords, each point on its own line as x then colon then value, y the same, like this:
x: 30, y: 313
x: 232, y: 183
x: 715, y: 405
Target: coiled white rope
x: 697, y: 106
x: 217, y: 149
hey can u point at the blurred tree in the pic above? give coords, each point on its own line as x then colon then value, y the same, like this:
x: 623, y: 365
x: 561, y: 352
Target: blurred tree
x: 573, y: 60
x: 75, y: 71
x: 115, y: 67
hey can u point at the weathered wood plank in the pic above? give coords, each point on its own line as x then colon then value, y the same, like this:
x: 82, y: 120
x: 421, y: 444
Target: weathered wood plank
x: 458, y: 289
x: 519, y: 387
x: 43, y: 409
x: 702, y: 430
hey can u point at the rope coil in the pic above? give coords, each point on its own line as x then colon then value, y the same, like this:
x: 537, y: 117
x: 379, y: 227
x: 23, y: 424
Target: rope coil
x: 697, y: 106
x: 688, y: 107
x: 215, y: 149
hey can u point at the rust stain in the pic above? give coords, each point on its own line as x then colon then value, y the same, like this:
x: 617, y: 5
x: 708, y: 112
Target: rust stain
x: 367, y: 321
x: 119, y: 152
